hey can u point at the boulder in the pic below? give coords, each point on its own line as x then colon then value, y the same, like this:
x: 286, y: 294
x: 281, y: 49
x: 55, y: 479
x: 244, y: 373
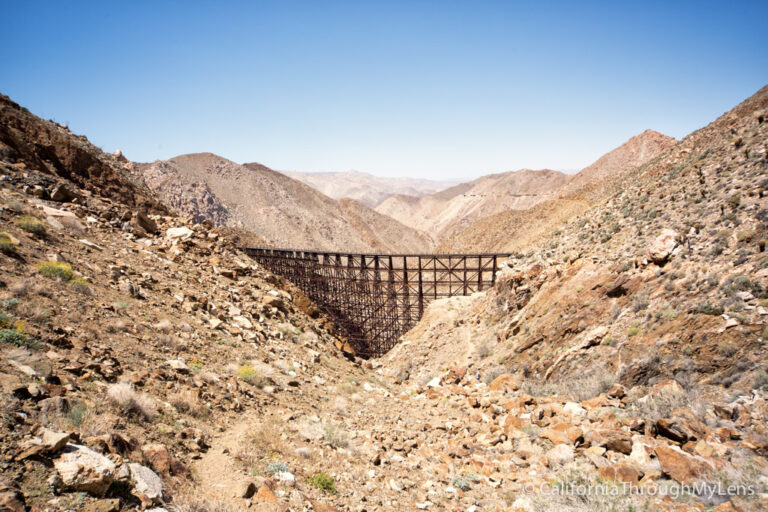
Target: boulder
x: 148, y: 487
x: 110, y: 505
x: 562, y: 433
x: 266, y: 494
x: 672, y: 429
x: 11, y: 499
x: 53, y: 442
x: 662, y: 246
x: 504, y: 382
x: 61, y: 193
x: 157, y: 456
x: 615, y: 440
x: 178, y: 365
x: 681, y: 467
x: 560, y: 454
x: 143, y: 221
x: 180, y: 233
x: 82, y: 469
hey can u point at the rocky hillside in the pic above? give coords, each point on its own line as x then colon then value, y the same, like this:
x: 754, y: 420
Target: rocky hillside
x: 663, y: 290
x: 146, y: 364
x: 281, y: 210
x: 28, y: 142
x: 511, y: 230
x: 368, y: 189
x: 452, y: 210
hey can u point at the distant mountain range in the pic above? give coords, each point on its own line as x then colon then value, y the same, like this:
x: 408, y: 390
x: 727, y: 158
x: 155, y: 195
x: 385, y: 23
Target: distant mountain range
x: 283, y: 211
x: 368, y: 189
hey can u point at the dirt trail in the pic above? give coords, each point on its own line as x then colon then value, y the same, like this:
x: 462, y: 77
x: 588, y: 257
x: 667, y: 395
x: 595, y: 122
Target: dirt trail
x: 218, y: 474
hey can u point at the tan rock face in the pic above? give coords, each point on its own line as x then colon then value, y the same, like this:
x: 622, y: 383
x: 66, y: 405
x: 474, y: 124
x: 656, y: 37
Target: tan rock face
x: 662, y: 246
x: 148, y: 487
x: 11, y: 499
x: 82, y: 469
x: 617, y: 441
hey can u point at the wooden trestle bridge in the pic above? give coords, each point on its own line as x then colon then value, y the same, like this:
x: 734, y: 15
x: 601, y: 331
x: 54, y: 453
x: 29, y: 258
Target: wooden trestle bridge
x: 375, y: 298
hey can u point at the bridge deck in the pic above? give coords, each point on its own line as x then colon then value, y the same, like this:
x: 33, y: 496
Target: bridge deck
x: 375, y: 298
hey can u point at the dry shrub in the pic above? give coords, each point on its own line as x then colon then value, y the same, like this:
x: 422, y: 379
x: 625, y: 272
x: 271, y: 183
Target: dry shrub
x: 119, y: 325
x: 169, y: 343
x: 164, y: 326
x: 263, y: 442
x: 97, y: 425
x: 188, y: 402
x: 20, y: 288
x: 130, y: 402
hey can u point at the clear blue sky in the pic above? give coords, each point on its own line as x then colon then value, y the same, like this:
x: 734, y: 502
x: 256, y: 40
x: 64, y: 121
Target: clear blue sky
x: 433, y: 89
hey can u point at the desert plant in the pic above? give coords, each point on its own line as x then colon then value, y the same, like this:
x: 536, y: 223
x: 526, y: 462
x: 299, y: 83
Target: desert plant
x: 324, y: 482
x: 17, y: 337
x: 130, y: 402
x: 77, y: 413
x: 15, y: 206
x: 639, y: 302
x: 250, y: 375
x: 761, y: 380
x: 7, y: 245
x: 706, y: 309
x: 492, y: 373
x: 187, y: 402
x: 32, y: 225
x: 56, y: 269
x: 276, y: 467
x: 81, y: 285
x: 335, y: 436
x: 461, y: 483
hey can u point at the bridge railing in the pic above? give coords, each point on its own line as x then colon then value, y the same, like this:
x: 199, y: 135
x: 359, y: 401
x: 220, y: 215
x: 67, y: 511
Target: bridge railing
x: 375, y: 298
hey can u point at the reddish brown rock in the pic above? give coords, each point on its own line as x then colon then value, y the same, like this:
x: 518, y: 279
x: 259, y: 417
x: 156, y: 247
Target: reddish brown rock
x: 681, y: 467
x: 157, y: 457
x: 504, y: 382
x: 562, y: 433
x: 620, y: 473
x: 615, y: 440
x: 265, y: 494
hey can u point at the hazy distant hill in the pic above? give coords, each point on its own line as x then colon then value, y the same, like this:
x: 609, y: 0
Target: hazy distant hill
x: 450, y: 211
x: 367, y: 188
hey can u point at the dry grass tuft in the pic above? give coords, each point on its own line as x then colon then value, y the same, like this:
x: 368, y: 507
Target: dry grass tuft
x: 188, y: 402
x: 130, y: 402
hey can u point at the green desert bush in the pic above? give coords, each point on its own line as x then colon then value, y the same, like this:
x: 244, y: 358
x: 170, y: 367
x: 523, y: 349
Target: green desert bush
x: 324, y: 482
x: 461, y: 483
x: 7, y: 245
x: 56, y: 269
x: 705, y: 308
x: 15, y: 336
x: 32, y: 225
x: 81, y: 285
